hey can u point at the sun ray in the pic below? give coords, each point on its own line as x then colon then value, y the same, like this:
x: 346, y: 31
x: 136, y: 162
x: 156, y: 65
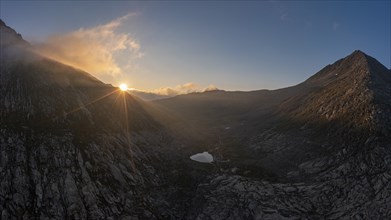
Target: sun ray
x: 122, y: 88
x: 127, y: 135
x: 90, y: 103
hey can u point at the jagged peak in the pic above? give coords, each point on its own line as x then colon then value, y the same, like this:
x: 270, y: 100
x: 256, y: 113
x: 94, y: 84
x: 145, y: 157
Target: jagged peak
x: 355, y: 89
x: 359, y: 57
x: 2, y: 23
x: 367, y: 66
x: 357, y: 65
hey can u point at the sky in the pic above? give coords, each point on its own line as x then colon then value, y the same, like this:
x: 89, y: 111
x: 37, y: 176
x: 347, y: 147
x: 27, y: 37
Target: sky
x: 193, y: 45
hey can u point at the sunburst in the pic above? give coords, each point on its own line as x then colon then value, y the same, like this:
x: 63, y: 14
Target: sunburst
x: 123, y: 87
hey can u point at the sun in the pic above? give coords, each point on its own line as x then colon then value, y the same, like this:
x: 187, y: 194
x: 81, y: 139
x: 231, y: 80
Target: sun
x: 123, y: 87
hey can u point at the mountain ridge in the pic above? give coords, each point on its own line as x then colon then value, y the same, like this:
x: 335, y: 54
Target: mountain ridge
x: 338, y: 76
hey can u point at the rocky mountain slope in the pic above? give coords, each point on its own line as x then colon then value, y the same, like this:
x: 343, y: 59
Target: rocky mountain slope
x: 72, y: 147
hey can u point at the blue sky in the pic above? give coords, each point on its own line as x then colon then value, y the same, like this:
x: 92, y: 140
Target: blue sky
x: 233, y: 45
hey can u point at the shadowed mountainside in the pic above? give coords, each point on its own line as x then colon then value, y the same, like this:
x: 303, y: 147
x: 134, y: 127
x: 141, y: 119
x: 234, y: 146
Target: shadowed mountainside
x: 317, y: 149
x: 72, y: 147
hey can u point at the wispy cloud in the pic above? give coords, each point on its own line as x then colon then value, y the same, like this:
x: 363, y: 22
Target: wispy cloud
x: 92, y: 49
x: 283, y: 16
x: 281, y: 9
x: 211, y: 87
x: 335, y: 26
x: 181, y: 89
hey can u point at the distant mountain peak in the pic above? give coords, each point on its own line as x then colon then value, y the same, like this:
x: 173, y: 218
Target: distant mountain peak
x: 9, y: 37
x: 357, y: 66
x: 354, y: 90
x: 364, y: 67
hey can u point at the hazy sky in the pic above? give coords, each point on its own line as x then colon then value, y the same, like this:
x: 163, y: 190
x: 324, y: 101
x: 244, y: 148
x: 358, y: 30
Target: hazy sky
x: 233, y: 45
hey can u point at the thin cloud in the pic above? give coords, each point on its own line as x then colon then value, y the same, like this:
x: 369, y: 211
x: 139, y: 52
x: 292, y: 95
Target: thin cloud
x: 336, y: 26
x: 182, y: 89
x: 281, y: 9
x: 211, y: 87
x: 92, y: 49
x: 283, y: 16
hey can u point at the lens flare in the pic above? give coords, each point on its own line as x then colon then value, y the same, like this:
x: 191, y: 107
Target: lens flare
x: 123, y: 87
